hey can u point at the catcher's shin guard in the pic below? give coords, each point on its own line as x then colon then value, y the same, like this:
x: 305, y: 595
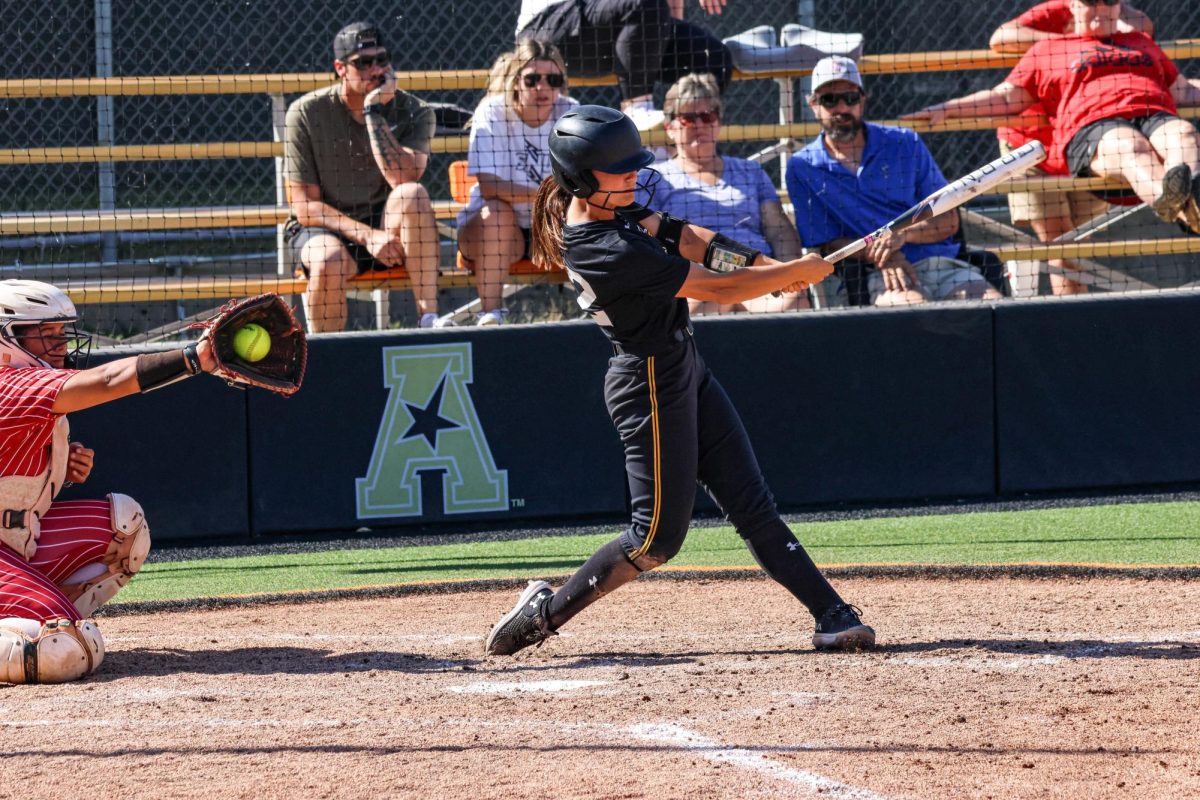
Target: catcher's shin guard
x: 96, y: 584
x: 52, y: 652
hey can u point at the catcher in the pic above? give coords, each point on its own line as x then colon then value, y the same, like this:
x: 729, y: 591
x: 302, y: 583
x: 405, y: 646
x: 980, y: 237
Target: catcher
x: 60, y: 561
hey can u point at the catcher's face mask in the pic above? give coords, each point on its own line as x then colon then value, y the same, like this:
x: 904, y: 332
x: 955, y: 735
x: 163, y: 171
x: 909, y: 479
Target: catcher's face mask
x: 58, y: 344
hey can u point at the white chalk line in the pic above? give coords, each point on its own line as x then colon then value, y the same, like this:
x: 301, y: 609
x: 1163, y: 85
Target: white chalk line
x: 362, y: 638
x: 523, y: 687
x: 979, y: 663
x: 206, y: 722
x: 693, y: 742
x: 663, y: 733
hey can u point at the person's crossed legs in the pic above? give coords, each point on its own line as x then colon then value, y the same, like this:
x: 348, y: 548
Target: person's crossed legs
x: 1158, y: 156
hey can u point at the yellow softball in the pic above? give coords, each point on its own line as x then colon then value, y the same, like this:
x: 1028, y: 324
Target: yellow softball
x: 252, y: 342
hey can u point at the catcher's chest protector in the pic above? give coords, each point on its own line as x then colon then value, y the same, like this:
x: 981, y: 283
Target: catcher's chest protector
x: 25, y: 498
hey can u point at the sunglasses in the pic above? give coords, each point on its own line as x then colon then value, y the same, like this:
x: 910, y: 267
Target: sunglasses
x: 831, y: 99
x: 690, y: 119
x: 366, y: 62
x: 1100, y: 2
x: 554, y: 80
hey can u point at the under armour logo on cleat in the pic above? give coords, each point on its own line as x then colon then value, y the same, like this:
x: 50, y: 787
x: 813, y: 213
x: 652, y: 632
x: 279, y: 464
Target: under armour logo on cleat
x: 793, y: 546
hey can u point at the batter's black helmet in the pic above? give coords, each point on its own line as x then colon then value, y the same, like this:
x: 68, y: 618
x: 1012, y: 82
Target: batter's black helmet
x: 591, y: 139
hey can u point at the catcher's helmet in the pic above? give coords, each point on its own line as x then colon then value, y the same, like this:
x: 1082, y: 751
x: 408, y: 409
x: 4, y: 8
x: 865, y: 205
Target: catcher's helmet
x: 25, y: 303
x: 591, y: 139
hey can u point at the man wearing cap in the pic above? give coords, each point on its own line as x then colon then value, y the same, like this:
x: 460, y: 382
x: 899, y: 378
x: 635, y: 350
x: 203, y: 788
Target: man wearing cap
x: 855, y: 177
x: 354, y: 154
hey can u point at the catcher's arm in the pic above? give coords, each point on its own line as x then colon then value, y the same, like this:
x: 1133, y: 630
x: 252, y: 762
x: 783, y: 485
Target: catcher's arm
x: 126, y: 376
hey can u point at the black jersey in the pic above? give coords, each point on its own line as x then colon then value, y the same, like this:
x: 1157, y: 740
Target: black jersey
x: 627, y: 283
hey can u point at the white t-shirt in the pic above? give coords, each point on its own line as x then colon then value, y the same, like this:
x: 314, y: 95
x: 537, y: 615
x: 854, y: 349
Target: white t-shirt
x: 504, y: 146
x: 531, y: 8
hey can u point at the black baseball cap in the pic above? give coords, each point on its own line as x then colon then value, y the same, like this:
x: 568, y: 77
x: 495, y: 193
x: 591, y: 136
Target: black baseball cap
x: 355, y: 37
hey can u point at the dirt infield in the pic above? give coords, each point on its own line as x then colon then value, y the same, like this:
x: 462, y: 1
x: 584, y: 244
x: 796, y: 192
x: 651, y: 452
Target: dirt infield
x: 1007, y: 688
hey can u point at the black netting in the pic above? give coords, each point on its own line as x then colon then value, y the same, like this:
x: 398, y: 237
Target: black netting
x: 51, y: 44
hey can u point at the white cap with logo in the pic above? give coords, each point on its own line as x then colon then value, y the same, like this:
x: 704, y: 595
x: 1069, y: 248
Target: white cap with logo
x: 835, y: 68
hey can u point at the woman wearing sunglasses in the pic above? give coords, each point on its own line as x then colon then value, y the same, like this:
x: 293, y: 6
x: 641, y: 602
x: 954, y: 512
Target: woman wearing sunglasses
x: 1113, y: 98
x: 732, y: 196
x: 509, y: 155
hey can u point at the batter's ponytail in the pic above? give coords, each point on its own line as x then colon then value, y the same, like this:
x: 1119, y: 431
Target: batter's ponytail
x: 546, y: 228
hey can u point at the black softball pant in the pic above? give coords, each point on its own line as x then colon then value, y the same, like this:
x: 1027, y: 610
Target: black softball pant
x: 639, y: 40
x: 679, y: 427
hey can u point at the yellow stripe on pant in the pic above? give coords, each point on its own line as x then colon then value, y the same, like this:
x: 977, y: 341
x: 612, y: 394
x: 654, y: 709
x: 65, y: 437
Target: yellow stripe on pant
x: 641, y: 551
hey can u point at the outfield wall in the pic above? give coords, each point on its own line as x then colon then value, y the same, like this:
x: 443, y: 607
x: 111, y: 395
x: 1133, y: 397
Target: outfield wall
x: 443, y: 428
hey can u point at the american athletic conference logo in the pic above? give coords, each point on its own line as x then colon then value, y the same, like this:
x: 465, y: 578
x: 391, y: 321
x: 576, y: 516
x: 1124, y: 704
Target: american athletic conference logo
x: 430, y: 426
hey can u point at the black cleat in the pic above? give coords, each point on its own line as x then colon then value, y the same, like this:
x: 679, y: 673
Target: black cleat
x: 526, y: 624
x: 840, y: 628
x: 1176, y: 193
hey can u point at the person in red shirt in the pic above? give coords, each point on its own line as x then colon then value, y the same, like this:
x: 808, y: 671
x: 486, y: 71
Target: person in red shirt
x: 1113, y: 99
x: 61, y: 560
x: 1051, y: 214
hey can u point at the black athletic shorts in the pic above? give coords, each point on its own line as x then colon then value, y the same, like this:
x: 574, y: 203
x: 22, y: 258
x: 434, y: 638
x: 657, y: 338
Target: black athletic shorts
x: 295, y: 236
x: 1082, y: 147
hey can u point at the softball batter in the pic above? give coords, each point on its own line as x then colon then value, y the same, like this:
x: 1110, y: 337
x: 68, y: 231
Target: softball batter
x: 60, y: 561
x: 633, y: 270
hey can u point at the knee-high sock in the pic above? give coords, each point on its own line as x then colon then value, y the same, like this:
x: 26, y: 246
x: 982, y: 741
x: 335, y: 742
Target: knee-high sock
x: 782, y: 557
x: 608, y: 569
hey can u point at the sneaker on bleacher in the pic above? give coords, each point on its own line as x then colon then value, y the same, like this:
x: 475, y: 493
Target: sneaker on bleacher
x: 496, y: 316
x: 1176, y: 193
x: 432, y: 320
x: 1191, y: 209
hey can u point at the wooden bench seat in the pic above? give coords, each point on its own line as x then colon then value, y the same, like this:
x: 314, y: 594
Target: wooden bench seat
x: 456, y: 79
x: 170, y: 289
x: 27, y: 223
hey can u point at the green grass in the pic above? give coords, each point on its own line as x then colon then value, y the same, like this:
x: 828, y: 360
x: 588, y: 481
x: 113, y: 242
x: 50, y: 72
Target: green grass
x: 1131, y: 535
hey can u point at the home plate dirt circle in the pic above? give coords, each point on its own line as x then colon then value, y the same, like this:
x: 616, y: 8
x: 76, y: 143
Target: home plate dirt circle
x: 1002, y: 687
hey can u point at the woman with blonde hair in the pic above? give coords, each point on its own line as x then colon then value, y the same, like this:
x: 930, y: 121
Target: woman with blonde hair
x: 509, y: 155
x: 732, y: 196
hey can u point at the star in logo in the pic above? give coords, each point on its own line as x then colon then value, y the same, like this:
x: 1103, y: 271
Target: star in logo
x: 427, y: 421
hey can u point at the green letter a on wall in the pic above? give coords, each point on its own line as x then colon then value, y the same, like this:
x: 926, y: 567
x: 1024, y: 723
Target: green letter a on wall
x: 430, y: 425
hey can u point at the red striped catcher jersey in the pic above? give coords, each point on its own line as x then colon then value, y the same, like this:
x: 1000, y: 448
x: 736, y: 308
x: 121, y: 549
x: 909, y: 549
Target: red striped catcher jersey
x: 26, y: 421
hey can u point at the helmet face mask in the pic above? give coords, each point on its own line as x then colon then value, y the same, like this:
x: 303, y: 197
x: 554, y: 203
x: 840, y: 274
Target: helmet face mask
x: 26, y: 307
x: 38, y: 345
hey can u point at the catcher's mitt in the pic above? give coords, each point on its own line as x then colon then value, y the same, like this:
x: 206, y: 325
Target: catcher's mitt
x: 282, y: 369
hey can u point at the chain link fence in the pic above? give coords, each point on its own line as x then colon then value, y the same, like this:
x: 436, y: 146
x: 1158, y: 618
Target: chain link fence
x: 50, y: 44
